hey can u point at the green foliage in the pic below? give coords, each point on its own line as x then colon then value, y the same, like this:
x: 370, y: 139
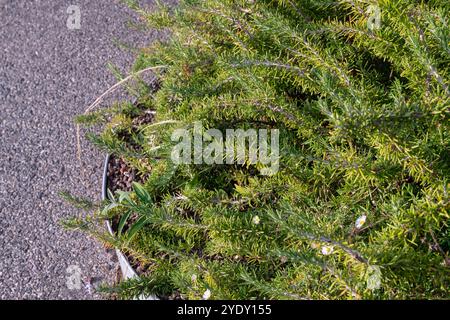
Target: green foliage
x: 364, y: 121
x: 77, y: 202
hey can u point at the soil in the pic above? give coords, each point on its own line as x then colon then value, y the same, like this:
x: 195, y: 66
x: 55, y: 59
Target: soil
x: 121, y: 175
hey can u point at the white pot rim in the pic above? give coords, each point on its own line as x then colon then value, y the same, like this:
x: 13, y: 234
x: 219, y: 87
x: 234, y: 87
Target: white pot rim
x: 127, y: 270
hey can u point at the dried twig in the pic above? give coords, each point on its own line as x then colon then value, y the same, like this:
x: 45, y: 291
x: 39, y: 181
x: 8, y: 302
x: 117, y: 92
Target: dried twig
x: 110, y: 90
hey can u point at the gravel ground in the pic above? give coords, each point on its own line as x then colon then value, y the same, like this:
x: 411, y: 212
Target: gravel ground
x: 49, y: 74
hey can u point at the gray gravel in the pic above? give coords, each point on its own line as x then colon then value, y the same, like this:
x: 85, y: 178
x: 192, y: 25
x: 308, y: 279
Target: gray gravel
x: 49, y: 74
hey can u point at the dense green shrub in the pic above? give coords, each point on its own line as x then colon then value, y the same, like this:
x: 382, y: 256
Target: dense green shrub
x: 363, y: 113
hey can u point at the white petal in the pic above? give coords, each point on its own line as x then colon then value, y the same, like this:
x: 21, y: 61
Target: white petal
x: 360, y: 221
x: 207, y: 294
x: 326, y: 250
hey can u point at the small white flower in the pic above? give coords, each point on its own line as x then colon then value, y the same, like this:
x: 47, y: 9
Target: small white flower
x: 194, y: 278
x: 327, y: 250
x: 207, y: 294
x: 256, y: 220
x: 360, y: 221
x: 315, y: 245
